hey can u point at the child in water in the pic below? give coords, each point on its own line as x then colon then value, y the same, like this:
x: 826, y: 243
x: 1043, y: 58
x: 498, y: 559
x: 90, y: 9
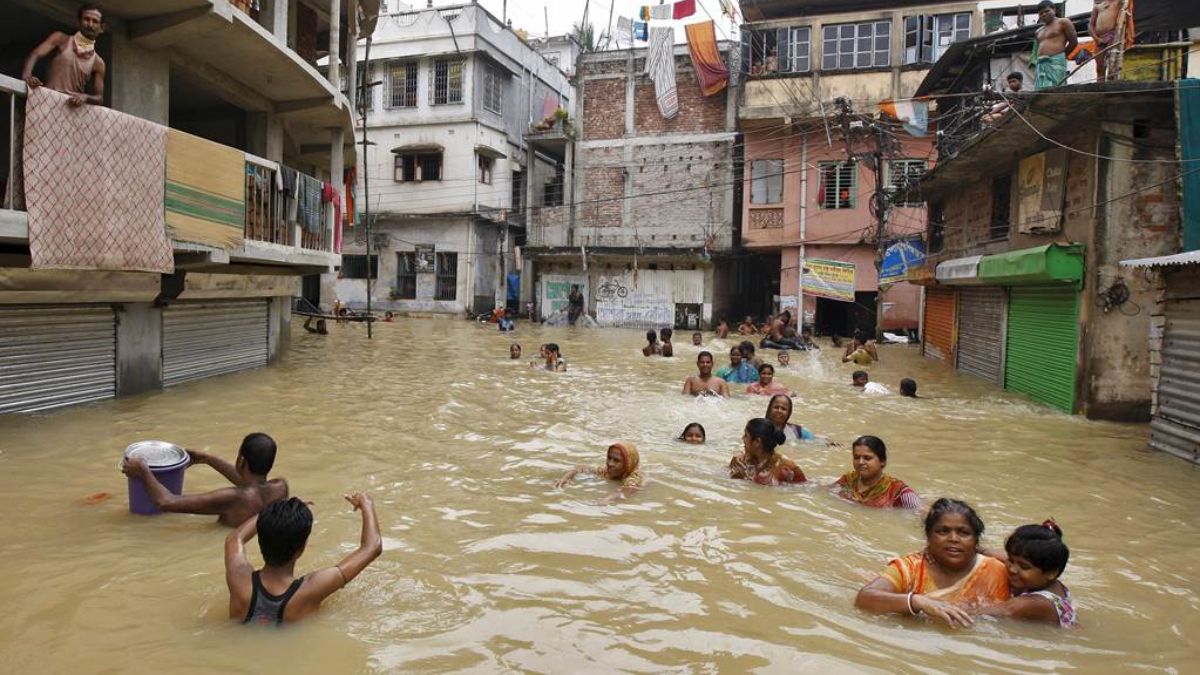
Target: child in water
x: 1036, y: 557
x: 693, y: 434
x: 621, y: 465
x: 514, y: 351
x: 273, y: 595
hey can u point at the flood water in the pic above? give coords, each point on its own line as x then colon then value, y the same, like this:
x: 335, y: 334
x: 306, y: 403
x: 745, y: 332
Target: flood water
x: 487, y: 568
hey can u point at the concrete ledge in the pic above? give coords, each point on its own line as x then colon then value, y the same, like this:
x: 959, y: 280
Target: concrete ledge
x: 14, y: 227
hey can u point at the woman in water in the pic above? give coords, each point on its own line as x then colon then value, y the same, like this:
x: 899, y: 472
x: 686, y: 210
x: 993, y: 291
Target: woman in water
x: 766, y: 384
x: 868, y: 485
x: 779, y: 411
x: 693, y: 434
x: 947, y: 579
x: 759, y: 462
x: 1036, y: 558
x: 621, y: 466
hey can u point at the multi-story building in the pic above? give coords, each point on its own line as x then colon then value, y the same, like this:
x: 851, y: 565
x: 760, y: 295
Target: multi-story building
x: 208, y: 104
x: 647, y: 231
x: 806, y: 199
x: 448, y: 164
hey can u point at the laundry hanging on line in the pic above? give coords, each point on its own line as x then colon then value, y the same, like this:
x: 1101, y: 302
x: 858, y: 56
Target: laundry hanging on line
x: 706, y: 57
x: 660, y: 66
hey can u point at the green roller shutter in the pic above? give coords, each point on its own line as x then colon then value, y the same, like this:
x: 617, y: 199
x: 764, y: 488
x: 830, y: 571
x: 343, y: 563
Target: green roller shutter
x: 1043, y: 344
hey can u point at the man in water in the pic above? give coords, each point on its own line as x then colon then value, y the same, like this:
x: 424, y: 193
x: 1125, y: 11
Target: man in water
x: 1055, y: 39
x: 652, y: 347
x: 722, y: 329
x: 574, y: 304
x: 697, y: 339
x: 319, y: 330
x: 506, y: 322
x: 75, y: 67
x: 664, y: 335
x: 908, y: 388
x: 806, y: 339
x: 785, y: 358
x: 705, y: 384
x: 860, y: 380
x: 1102, y: 26
x: 1015, y: 81
x: 251, y: 490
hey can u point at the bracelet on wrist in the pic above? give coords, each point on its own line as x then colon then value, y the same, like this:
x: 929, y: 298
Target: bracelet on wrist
x: 908, y: 600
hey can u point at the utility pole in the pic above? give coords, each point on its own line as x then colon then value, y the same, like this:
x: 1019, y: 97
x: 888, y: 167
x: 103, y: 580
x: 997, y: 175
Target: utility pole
x: 360, y: 101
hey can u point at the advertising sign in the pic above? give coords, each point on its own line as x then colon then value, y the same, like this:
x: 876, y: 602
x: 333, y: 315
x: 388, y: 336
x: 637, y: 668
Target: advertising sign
x: 899, y: 257
x: 830, y: 279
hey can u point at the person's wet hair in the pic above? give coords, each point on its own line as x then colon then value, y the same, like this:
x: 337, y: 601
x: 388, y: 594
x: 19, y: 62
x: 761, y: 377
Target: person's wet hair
x: 1041, y: 545
x: 552, y: 347
x: 908, y: 387
x: 747, y: 348
x: 651, y: 336
x: 859, y: 375
x: 762, y: 429
x: 873, y: 443
x: 283, y: 529
x: 666, y: 333
x: 945, y: 507
x: 258, y: 449
x: 765, y: 367
x: 704, y: 354
x: 694, y: 425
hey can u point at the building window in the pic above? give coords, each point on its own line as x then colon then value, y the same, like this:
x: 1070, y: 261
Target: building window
x: 766, y: 181
x: 926, y: 36
x: 447, y: 81
x: 839, y: 182
x: 446, y: 267
x: 856, y: 45
x: 800, y: 48
x: 780, y: 50
x: 937, y: 226
x: 1001, y: 207
x: 486, y: 165
x: 493, y: 90
x: 355, y: 267
x: 402, y: 90
x: 406, y: 276
x: 902, y: 172
x: 417, y: 167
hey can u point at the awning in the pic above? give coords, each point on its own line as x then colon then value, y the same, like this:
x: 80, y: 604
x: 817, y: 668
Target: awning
x: 1177, y: 260
x: 921, y: 276
x: 488, y: 151
x: 413, y: 148
x: 1052, y: 263
x: 959, y: 271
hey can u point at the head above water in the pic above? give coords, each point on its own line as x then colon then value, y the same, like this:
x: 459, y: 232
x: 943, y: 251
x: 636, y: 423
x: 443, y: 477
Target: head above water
x: 762, y: 436
x: 1042, y: 545
x: 784, y: 357
x: 766, y: 373
x: 859, y: 378
x: 514, y: 350
x: 257, y: 453
x: 694, y: 434
x: 779, y: 409
x: 944, y: 507
x: 908, y: 387
x: 665, y: 334
x: 747, y: 348
x: 872, y: 443
x: 697, y: 338
x: 735, y: 356
x: 322, y: 328
x: 952, y: 532
x: 704, y: 361
x: 283, y: 529
x: 651, y: 337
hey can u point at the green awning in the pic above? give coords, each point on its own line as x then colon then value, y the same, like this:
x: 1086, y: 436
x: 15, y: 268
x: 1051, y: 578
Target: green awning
x: 1052, y: 263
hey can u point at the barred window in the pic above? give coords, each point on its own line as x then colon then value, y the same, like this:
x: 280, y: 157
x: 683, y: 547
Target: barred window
x: 493, y: 90
x: 901, y: 172
x: 446, y: 267
x: 856, y: 45
x: 403, y: 89
x: 406, y: 276
x: 839, y: 185
x: 355, y: 266
x: 447, y: 81
x: 486, y: 166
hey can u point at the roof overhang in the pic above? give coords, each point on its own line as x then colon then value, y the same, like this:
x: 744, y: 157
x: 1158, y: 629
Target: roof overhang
x: 1177, y: 260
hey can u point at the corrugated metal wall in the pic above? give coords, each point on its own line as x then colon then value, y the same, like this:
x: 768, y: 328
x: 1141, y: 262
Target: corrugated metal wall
x: 205, y: 339
x: 58, y: 356
x: 1043, y: 344
x: 1176, y: 427
x: 981, y: 315
x: 940, y: 310
x: 649, y: 303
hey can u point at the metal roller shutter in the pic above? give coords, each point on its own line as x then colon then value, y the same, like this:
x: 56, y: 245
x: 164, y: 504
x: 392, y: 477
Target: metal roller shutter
x: 939, y: 323
x: 1176, y: 427
x: 1043, y: 344
x: 205, y: 339
x: 981, y: 332
x: 52, y: 357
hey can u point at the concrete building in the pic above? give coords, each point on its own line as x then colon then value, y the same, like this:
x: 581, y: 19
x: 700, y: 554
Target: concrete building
x: 449, y: 166
x: 648, y: 232
x: 237, y: 81
x: 805, y: 199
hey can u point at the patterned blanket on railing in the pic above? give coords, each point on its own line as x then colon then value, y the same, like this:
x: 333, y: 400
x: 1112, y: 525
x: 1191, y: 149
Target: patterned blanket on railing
x: 94, y: 187
x: 206, y: 191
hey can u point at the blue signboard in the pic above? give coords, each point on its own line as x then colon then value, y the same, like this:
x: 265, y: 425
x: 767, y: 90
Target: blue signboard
x: 899, y: 256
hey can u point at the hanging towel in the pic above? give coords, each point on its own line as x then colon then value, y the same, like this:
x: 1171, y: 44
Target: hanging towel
x: 683, y: 9
x: 624, y: 30
x: 350, y: 178
x: 329, y: 193
x: 640, y: 30
x: 706, y: 57
x: 644, y: 13
x: 660, y: 66
x: 913, y: 113
x: 661, y: 11
x: 308, y: 202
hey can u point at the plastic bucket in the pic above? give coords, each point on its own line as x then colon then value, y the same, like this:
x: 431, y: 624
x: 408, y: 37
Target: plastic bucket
x: 167, y: 462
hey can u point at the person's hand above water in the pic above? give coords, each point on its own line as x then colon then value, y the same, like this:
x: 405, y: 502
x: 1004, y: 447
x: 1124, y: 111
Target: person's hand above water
x: 951, y: 615
x: 134, y: 466
x: 196, y: 457
x: 568, y: 477
x: 360, y: 501
x: 738, y: 466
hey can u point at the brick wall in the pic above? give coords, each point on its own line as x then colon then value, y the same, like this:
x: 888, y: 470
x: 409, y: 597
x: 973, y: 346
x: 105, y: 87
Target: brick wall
x: 603, y: 109
x: 601, y: 204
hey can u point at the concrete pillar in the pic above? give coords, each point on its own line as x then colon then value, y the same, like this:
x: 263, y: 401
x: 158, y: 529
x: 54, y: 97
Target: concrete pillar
x: 275, y: 18
x: 279, y: 327
x: 139, y: 348
x: 139, y: 81
x: 335, y: 45
x: 352, y: 54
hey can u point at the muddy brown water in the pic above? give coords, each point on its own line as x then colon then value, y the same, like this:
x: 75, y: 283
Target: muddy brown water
x: 488, y: 568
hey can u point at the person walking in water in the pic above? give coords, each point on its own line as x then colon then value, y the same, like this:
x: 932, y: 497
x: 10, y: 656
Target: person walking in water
x: 75, y: 68
x: 705, y: 384
x: 574, y: 304
x: 1055, y: 39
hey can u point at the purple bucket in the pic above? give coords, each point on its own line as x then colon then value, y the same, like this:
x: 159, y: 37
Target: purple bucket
x: 167, y: 462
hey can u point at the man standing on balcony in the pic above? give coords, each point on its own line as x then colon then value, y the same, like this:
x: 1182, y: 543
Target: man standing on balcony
x: 1055, y: 39
x: 75, y: 68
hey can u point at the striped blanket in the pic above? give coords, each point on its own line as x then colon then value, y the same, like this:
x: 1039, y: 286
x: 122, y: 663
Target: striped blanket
x: 206, y: 192
x: 660, y: 66
x: 93, y: 187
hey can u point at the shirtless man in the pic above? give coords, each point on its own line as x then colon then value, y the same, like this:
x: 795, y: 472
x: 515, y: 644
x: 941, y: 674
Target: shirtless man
x: 1055, y: 39
x: 75, y: 68
x: 251, y: 489
x: 1102, y: 26
x: 996, y: 113
x: 705, y: 384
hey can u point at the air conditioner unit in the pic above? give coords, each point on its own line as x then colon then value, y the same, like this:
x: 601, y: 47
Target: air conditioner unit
x: 380, y: 240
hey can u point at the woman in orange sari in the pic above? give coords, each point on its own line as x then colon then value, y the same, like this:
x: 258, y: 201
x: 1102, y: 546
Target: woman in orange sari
x: 868, y: 485
x: 621, y: 465
x: 945, y: 580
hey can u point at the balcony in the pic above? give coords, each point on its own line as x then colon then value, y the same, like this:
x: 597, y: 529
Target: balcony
x: 267, y: 235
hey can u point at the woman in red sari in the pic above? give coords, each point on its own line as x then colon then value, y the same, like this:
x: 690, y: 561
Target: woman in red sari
x: 868, y: 485
x: 759, y: 461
